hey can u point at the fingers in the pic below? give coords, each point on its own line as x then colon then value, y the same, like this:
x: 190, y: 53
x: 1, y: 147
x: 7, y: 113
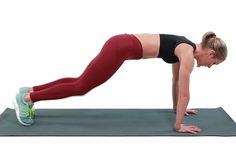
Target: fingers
x: 189, y: 129
x: 194, y: 111
x: 191, y: 111
x: 194, y: 129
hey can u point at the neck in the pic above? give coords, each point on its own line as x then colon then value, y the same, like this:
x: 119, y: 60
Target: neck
x: 198, y: 51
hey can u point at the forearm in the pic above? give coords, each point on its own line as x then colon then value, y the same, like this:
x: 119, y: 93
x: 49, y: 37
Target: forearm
x: 175, y: 94
x: 181, y: 108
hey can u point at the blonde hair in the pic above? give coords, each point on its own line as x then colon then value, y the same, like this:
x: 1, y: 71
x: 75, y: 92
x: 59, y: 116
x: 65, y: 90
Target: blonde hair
x: 210, y: 40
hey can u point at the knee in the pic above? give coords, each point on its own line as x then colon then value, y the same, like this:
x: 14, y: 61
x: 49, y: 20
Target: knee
x: 81, y: 93
x: 80, y: 90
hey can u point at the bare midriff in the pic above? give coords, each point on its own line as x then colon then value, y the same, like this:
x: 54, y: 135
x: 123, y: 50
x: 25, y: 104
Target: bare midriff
x: 150, y: 44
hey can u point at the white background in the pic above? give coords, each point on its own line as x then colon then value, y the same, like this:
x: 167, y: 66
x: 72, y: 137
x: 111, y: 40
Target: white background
x: 41, y: 41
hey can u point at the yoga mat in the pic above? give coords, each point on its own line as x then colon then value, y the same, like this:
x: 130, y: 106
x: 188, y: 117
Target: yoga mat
x: 116, y: 122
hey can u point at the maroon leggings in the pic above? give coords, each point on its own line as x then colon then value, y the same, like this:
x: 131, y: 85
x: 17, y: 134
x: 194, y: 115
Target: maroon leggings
x: 114, y: 52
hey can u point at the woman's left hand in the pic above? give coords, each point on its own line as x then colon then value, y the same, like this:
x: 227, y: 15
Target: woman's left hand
x: 190, y: 111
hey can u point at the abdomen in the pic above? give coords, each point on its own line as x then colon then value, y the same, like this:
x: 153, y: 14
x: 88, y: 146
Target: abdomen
x: 150, y: 44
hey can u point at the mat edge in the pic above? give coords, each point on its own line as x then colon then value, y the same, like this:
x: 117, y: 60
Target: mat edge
x: 227, y: 114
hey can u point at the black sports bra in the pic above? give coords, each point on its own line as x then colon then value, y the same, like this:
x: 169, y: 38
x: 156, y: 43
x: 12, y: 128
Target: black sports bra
x: 168, y: 43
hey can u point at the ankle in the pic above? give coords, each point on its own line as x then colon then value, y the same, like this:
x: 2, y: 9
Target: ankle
x: 27, y: 99
x: 31, y: 90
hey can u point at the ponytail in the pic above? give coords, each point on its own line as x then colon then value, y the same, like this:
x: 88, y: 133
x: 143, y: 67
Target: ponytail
x: 206, y: 37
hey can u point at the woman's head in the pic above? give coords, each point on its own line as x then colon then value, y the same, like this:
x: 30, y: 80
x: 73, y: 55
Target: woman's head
x: 214, y: 48
x: 211, y: 41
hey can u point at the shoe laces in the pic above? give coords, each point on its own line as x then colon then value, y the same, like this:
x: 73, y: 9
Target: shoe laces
x: 30, y: 113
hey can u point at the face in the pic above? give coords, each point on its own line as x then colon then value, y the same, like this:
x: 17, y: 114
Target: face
x: 208, y: 59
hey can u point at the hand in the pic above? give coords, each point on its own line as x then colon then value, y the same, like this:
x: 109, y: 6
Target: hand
x: 188, y: 129
x: 190, y: 111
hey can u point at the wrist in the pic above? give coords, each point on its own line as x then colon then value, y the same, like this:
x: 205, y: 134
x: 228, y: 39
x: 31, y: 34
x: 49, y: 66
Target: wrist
x: 177, y: 126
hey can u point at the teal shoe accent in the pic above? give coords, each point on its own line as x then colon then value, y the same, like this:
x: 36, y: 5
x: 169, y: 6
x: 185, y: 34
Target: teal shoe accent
x: 24, y: 90
x: 24, y: 111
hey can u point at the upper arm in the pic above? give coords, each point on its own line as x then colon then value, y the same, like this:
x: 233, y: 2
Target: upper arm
x: 184, y: 79
x: 185, y: 55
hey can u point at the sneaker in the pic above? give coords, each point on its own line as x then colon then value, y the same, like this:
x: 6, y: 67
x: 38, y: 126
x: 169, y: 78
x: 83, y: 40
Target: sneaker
x: 24, y: 111
x: 24, y: 90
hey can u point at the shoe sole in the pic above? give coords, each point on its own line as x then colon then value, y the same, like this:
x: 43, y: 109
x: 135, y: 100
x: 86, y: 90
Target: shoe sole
x: 18, y: 112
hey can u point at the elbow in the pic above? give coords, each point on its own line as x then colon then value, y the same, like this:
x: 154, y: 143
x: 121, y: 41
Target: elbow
x: 184, y: 95
x: 184, y: 98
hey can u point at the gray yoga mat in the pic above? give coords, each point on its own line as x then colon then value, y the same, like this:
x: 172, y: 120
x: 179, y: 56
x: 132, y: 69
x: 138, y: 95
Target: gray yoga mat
x: 115, y: 122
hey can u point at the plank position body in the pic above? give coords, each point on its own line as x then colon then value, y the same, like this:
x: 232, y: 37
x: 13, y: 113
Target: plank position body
x: 173, y: 49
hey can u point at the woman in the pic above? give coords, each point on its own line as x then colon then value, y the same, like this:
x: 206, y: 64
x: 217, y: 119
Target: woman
x: 173, y: 49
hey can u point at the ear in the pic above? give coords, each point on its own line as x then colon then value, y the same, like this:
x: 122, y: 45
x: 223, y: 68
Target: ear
x: 211, y: 53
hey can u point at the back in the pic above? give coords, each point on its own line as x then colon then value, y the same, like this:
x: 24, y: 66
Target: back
x: 168, y: 43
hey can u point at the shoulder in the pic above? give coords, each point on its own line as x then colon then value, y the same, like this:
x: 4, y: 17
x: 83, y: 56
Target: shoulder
x: 184, y: 52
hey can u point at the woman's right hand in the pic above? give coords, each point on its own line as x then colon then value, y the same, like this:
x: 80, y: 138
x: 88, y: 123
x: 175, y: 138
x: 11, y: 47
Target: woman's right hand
x: 188, y: 129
